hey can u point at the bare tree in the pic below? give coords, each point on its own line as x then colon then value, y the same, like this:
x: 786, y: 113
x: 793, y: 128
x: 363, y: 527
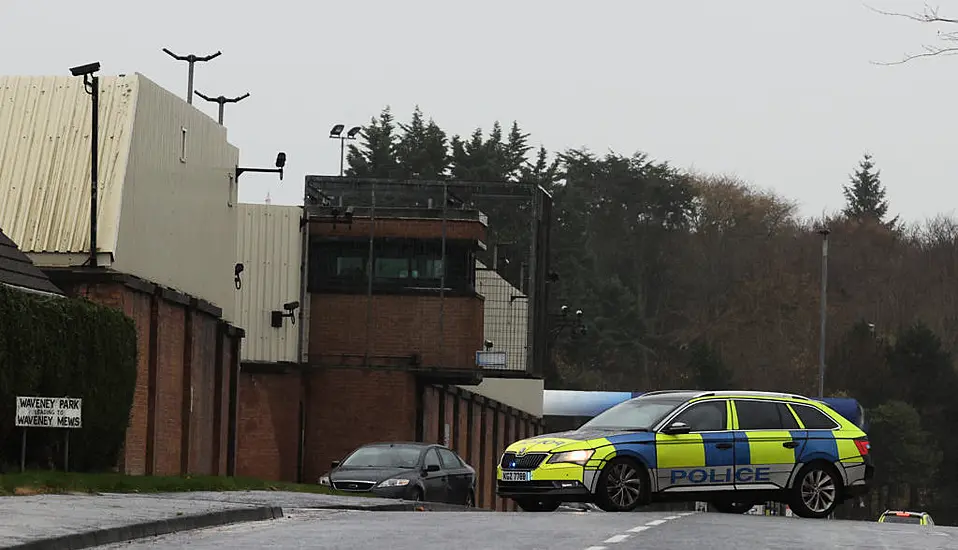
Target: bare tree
x: 948, y: 38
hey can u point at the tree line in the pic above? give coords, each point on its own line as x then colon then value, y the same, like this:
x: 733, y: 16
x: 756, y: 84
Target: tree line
x: 701, y: 281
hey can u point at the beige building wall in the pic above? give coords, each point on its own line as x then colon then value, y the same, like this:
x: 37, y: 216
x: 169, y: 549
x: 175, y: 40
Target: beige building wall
x: 179, y: 221
x: 524, y: 394
x: 45, y: 132
x: 270, y: 247
x: 166, y: 194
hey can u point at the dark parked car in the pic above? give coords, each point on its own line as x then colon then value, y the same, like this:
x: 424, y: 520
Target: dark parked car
x: 411, y: 471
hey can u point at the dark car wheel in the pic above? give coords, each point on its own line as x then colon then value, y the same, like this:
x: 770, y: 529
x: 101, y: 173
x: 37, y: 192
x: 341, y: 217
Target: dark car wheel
x: 816, y: 491
x: 416, y: 495
x: 623, y: 486
x: 470, y: 499
x: 538, y: 504
x: 727, y: 506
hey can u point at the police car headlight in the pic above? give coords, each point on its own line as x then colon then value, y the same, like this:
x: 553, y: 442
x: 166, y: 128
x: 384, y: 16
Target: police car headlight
x: 574, y: 457
x: 394, y: 482
x: 324, y: 480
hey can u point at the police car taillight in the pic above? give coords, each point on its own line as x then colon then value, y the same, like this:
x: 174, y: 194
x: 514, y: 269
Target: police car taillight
x: 863, y: 446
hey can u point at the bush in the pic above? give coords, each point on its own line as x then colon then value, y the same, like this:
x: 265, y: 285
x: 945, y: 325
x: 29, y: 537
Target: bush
x: 66, y: 347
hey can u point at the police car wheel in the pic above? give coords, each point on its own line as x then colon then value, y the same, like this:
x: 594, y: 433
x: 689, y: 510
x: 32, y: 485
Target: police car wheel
x: 816, y: 491
x: 538, y: 504
x: 623, y: 485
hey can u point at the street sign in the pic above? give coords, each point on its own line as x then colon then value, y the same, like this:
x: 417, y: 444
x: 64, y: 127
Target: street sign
x: 49, y: 412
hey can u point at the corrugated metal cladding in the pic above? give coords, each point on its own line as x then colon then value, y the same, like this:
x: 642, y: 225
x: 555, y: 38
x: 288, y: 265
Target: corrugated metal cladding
x: 270, y: 249
x: 505, y: 319
x: 45, y: 128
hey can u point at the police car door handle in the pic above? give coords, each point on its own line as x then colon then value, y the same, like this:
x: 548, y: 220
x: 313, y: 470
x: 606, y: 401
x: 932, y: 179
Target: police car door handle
x: 723, y: 445
x: 790, y: 444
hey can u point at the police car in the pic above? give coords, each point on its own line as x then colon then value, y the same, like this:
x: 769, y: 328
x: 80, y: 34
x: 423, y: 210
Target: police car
x: 732, y: 449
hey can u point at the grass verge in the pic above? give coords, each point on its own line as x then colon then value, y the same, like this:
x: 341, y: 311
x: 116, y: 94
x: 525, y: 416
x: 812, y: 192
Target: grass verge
x: 43, y: 482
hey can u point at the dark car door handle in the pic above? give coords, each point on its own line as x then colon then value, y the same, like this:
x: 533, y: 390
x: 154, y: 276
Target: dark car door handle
x: 790, y: 444
x: 723, y: 445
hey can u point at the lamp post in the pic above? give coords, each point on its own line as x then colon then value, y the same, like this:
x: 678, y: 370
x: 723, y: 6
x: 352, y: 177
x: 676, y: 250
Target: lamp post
x: 222, y: 100
x: 337, y: 133
x: 91, y: 83
x: 192, y: 59
x: 821, y: 350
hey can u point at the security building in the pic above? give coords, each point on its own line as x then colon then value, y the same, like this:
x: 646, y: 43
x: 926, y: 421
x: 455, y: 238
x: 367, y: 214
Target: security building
x: 396, y: 350
x: 165, y: 228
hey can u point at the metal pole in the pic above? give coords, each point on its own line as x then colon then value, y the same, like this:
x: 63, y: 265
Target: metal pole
x: 821, y: 349
x: 189, y: 84
x: 66, y: 451
x: 370, y: 266
x: 442, y: 279
x: 94, y: 154
x: 23, y: 452
x: 342, y: 154
x: 222, y: 104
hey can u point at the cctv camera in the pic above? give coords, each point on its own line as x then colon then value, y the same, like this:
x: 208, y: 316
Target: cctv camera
x: 578, y: 313
x: 281, y: 160
x: 488, y: 344
x: 238, y: 269
x: 564, y: 309
x: 83, y: 70
x: 290, y: 306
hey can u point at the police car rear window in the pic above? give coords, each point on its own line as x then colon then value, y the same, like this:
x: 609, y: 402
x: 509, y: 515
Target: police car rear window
x: 764, y: 415
x: 813, y: 419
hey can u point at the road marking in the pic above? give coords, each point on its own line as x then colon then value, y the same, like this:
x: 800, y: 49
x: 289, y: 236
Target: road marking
x: 639, y: 529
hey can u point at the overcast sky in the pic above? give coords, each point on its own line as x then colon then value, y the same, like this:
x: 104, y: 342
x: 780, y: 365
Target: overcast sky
x: 783, y: 95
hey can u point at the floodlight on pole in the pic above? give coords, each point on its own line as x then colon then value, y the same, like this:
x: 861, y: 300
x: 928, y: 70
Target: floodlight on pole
x: 337, y: 133
x: 91, y: 83
x: 824, y: 295
x: 280, y: 165
x: 191, y: 59
x: 222, y: 100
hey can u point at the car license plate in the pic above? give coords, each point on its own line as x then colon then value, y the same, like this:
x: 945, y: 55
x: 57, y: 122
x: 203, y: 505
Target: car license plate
x: 516, y: 476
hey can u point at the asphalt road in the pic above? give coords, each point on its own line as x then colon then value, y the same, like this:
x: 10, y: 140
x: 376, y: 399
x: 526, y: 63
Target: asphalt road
x: 334, y: 530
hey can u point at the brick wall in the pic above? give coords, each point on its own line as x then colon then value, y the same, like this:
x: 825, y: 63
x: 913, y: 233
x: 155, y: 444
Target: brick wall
x: 494, y: 426
x: 169, y: 389
x: 403, y: 228
x: 183, y: 352
x: 269, y: 426
x: 201, y: 400
x: 349, y: 407
x: 399, y: 327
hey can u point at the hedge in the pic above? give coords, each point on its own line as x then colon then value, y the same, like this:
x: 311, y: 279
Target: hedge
x: 66, y: 347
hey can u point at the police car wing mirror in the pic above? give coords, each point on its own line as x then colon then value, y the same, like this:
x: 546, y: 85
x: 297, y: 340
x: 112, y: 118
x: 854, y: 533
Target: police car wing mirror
x: 432, y: 468
x: 335, y: 463
x: 676, y: 428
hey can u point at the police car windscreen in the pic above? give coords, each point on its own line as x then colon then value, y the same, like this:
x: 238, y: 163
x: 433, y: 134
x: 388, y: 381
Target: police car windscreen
x: 892, y: 518
x: 636, y: 414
